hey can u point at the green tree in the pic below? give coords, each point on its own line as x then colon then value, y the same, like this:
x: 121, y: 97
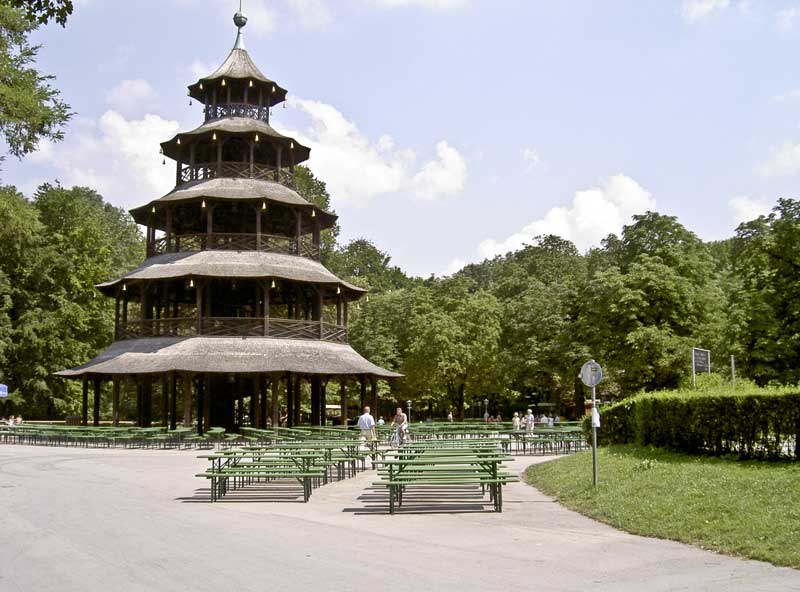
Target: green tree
x: 362, y: 263
x: 314, y: 191
x: 64, y: 242
x: 30, y: 109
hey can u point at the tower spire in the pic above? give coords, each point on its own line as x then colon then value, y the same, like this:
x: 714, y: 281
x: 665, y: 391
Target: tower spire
x: 240, y: 20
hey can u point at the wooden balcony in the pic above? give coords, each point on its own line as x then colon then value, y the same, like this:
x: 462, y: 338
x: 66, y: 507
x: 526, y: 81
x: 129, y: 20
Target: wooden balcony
x: 236, y: 241
x: 213, y: 112
x: 240, y: 170
x: 232, y: 327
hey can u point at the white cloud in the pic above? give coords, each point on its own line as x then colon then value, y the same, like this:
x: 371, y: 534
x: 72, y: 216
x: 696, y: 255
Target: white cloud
x: 131, y: 97
x: 748, y: 208
x: 118, y: 157
x: 785, y: 161
x: 357, y: 169
x: 441, y: 177
x: 786, y: 19
x: 531, y: 157
x: 199, y: 69
x: 429, y: 4
x: 454, y: 266
x: 786, y: 97
x: 697, y: 10
x: 314, y: 14
x: 593, y: 215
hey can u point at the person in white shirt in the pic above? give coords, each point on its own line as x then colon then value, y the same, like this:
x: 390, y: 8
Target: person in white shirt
x: 366, y: 423
x: 529, y: 421
x: 381, y: 421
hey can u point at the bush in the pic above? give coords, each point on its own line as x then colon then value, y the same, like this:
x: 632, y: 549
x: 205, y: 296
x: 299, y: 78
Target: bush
x: 758, y: 423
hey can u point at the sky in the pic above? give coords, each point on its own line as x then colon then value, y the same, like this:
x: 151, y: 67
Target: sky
x: 449, y: 131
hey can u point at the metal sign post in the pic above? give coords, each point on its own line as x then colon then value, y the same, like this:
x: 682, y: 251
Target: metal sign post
x: 591, y: 375
x: 733, y: 371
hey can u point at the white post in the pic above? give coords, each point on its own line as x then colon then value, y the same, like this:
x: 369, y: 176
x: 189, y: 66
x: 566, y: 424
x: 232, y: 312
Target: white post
x: 694, y: 379
x: 733, y: 371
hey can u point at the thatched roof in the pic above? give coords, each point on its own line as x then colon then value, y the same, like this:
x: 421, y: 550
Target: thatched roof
x: 228, y: 355
x: 240, y: 66
x: 233, y: 189
x: 233, y: 264
x: 239, y: 126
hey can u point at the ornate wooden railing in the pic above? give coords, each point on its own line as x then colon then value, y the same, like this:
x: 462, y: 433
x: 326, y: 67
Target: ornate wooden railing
x: 237, y: 110
x: 232, y: 327
x: 240, y: 170
x: 235, y: 241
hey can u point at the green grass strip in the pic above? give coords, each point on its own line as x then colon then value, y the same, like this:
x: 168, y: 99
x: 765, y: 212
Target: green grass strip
x: 749, y: 509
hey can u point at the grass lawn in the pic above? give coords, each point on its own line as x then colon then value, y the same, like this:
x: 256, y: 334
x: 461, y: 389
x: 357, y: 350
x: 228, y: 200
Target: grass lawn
x: 750, y: 509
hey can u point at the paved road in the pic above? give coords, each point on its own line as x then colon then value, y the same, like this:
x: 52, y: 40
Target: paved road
x: 86, y: 520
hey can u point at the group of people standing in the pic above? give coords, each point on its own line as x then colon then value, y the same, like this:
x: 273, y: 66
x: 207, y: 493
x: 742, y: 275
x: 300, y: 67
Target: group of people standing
x: 528, y: 421
x: 11, y: 421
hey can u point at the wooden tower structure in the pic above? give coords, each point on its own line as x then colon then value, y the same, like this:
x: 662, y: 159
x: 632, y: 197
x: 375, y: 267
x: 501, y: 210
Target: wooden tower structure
x: 232, y: 301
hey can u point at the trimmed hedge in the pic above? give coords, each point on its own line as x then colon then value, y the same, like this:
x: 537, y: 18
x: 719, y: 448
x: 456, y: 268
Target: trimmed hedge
x: 752, y: 425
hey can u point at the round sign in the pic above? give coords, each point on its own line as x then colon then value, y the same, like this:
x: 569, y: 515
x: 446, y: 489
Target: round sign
x: 591, y: 373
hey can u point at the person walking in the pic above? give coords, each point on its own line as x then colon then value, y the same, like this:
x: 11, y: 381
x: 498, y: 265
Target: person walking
x: 530, y: 420
x: 366, y: 423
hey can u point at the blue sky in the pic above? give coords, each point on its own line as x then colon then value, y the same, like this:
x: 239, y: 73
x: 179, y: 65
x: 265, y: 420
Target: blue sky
x: 451, y: 130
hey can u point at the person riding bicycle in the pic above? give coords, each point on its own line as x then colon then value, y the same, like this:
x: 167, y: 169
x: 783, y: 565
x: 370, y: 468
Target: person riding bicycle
x: 400, y: 424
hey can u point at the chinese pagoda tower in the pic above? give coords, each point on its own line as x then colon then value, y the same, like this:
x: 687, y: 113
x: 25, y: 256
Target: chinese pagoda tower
x: 232, y: 302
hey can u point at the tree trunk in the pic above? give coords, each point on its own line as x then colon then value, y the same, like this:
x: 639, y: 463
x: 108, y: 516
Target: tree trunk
x: 460, y: 402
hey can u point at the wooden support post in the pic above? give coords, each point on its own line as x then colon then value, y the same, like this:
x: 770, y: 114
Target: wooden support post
x: 200, y: 397
x: 298, y: 396
x: 168, y: 230
x: 374, y: 384
x: 219, y: 157
x: 275, y: 404
x: 165, y: 400
x: 363, y: 380
x: 343, y: 400
x: 266, y: 308
x: 96, y: 414
x: 258, y: 227
x: 186, y: 385
x: 116, y: 316
x: 139, y: 395
x: 345, y: 313
x: 255, y: 408
x: 147, y: 403
x: 339, y: 310
x: 173, y: 398
x: 298, y: 235
x: 206, y: 401
x: 115, y: 401
x: 85, y: 402
x: 314, y: 401
x: 323, y: 402
x: 198, y: 290
x: 289, y: 401
x: 263, y: 383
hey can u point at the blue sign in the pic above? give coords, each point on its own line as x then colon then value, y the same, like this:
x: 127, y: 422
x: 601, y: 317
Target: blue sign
x: 3, y: 391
